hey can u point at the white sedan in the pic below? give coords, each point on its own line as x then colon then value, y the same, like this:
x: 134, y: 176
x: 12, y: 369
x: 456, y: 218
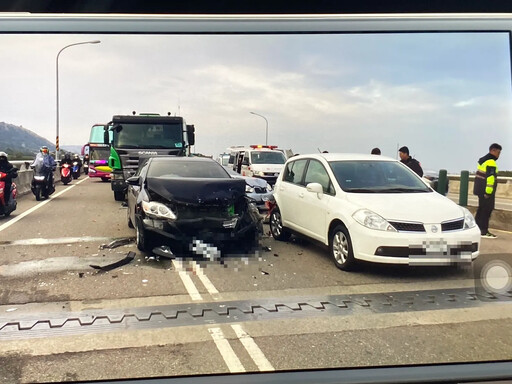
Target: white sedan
x: 371, y: 208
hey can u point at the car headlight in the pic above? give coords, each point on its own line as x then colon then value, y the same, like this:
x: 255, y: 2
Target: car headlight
x: 269, y: 188
x: 158, y: 210
x: 469, y: 220
x: 371, y: 220
x: 249, y: 189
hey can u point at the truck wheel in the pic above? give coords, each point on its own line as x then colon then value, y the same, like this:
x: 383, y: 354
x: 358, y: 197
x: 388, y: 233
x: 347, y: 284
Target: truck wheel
x: 118, y: 196
x: 340, y: 248
x: 105, y: 179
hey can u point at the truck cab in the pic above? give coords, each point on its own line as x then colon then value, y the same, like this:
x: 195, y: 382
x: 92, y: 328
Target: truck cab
x: 136, y: 137
x: 263, y: 161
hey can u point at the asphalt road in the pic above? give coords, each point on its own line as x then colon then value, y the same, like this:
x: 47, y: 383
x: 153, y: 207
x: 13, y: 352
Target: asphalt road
x: 290, y: 308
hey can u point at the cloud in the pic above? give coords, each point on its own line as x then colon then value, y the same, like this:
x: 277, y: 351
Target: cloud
x: 465, y: 103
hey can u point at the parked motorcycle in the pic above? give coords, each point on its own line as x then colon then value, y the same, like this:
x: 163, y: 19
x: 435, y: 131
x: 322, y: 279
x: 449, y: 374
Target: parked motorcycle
x: 65, y: 173
x: 42, y: 182
x: 7, y: 203
x: 75, y: 170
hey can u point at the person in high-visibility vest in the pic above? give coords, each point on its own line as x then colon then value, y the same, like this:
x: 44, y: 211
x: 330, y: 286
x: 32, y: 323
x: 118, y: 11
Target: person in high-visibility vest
x: 486, y: 181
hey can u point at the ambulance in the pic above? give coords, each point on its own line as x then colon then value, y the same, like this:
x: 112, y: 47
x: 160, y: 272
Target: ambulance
x: 263, y: 161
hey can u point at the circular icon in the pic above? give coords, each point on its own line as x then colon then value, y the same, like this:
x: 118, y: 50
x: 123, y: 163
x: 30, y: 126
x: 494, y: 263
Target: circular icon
x: 434, y: 229
x: 496, y: 277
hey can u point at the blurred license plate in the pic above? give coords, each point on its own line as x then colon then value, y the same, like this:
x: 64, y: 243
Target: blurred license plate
x: 435, y: 247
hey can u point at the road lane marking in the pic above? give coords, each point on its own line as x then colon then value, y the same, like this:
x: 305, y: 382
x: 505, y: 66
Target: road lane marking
x: 227, y: 353
x: 54, y: 241
x: 252, y: 349
x: 36, y: 207
x: 204, y: 279
x: 187, y: 280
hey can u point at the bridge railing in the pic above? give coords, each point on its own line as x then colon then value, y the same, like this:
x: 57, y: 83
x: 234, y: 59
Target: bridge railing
x: 504, y: 189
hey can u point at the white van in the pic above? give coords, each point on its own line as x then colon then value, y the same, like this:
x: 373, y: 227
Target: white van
x: 223, y: 159
x: 264, y: 161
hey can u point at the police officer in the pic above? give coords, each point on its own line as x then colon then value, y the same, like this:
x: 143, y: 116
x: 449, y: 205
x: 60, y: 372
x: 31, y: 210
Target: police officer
x: 11, y: 172
x: 409, y: 161
x: 486, y: 181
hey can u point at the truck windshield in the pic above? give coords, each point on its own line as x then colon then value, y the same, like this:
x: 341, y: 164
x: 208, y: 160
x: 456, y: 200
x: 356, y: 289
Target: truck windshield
x: 260, y: 157
x: 148, y: 136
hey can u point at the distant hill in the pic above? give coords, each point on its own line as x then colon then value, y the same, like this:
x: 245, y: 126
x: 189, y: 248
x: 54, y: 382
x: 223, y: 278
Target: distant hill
x: 21, y: 143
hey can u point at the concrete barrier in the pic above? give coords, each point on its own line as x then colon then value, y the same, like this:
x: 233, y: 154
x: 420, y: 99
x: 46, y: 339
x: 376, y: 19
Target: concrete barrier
x: 504, y: 189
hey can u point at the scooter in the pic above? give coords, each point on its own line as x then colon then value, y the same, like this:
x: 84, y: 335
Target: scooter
x: 75, y: 170
x: 42, y: 183
x: 7, y: 203
x: 65, y: 173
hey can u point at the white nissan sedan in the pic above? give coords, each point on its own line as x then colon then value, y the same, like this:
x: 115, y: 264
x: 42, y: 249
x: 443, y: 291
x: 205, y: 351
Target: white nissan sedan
x: 373, y: 208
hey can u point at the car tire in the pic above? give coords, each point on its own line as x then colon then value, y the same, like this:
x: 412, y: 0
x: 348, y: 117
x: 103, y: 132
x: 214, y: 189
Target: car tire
x: 340, y: 248
x: 143, y: 238
x: 118, y: 196
x: 278, y: 231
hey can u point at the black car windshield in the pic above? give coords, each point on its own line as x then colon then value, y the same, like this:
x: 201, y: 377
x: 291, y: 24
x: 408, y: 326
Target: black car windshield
x: 190, y: 169
x: 261, y: 157
x: 148, y: 136
x: 376, y: 177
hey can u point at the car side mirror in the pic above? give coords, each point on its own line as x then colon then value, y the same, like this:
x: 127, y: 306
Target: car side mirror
x: 315, y: 188
x: 134, y: 180
x: 245, y: 161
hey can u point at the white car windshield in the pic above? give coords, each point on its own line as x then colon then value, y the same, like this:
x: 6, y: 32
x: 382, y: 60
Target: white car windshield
x: 376, y: 177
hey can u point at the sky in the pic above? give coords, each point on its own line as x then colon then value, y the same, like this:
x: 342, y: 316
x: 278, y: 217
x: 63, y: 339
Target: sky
x: 447, y: 96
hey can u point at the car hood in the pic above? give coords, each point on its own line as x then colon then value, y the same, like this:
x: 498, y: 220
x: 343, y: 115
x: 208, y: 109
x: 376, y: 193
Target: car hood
x: 427, y: 207
x: 197, y: 191
x: 254, y: 181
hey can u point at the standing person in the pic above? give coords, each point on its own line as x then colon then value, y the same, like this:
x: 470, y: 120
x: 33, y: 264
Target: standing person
x: 486, y: 181
x: 409, y: 161
x: 375, y: 151
x: 11, y: 172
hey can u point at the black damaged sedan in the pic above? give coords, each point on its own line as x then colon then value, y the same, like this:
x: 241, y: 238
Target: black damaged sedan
x: 178, y: 200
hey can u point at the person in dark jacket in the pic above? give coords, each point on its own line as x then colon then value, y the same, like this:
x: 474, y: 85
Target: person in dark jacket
x: 10, y: 170
x: 409, y: 161
x: 486, y: 181
x: 66, y: 160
